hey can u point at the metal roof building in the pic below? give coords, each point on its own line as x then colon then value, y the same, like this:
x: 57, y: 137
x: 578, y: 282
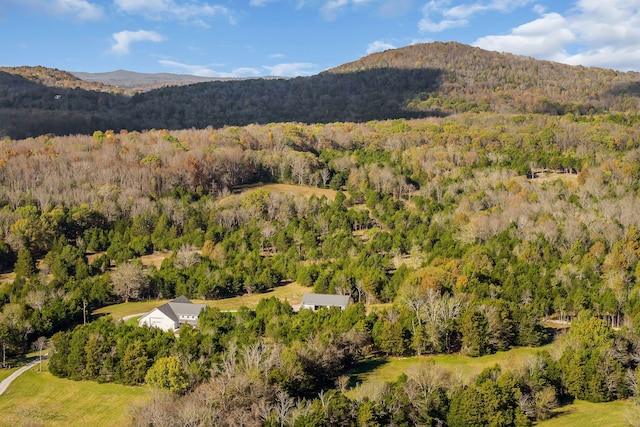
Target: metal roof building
x: 315, y: 301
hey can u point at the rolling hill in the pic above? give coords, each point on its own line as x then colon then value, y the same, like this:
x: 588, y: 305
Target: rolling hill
x: 434, y: 79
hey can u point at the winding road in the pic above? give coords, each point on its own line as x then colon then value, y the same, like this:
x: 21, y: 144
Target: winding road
x: 4, y: 384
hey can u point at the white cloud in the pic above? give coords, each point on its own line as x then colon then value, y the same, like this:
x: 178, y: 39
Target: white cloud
x: 123, y: 39
x: 196, y: 11
x: 464, y: 11
x: 292, y: 69
x: 539, y: 9
x: 395, y: 8
x: 81, y: 9
x: 439, y: 15
x: 77, y: 9
x: 277, y: 55
x: 437, y: 8
x: 144, y: 7
x: 543, y: 38
x: 206, y: 71
x: 196, y: 70
x: 427, y: 25
x: 333, y: 8
x: 379, y: 46
x: 592, y: 33
x: 241, y: 72
x: 259, y: 3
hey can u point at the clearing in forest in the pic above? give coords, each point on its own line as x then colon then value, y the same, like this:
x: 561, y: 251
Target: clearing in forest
x: 291, y: 292
x: 294, y: 190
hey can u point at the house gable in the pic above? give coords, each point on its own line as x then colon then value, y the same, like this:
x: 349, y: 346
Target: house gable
x: 170, y: 316
x: 158, y: 318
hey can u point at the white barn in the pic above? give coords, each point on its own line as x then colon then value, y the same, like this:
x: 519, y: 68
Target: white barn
x: 315, y: 301
x: 172, y: 315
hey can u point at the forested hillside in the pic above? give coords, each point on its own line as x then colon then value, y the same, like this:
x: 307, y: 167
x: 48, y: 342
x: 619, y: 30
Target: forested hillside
x: 473, y: 228
x: 425, y: 80
x: 476, y: 79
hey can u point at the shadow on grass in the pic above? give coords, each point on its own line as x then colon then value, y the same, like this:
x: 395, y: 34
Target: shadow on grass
x: 358, y: 374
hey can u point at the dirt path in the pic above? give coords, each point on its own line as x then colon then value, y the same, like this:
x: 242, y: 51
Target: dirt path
x: 4, y: 384
x: 131, y: 316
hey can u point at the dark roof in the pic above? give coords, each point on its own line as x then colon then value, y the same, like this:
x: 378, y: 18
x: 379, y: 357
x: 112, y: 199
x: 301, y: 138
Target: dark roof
x: 167, y: 310
x: 180, y: 306
x: 186, y: 309
x: 325, y: 300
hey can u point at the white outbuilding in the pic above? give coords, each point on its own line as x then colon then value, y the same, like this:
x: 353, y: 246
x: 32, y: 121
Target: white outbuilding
x: 172, y: 315
x: 315, y: 301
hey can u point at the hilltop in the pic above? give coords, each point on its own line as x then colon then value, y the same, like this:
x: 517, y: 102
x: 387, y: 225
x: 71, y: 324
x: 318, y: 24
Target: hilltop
x: 48, y: 77
x: 503, y: 82
x: 435, y: 79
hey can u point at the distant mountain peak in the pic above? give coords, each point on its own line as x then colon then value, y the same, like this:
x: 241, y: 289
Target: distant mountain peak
x: 141, y: 81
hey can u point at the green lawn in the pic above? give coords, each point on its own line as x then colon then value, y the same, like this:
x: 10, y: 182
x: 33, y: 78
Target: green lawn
x: 384, y: 370
x: 4, y: 373
x: 291, y: 292
x: 581, y: 413
x: 118, y: 311
x: 39, y: 398
x: 374, y: 372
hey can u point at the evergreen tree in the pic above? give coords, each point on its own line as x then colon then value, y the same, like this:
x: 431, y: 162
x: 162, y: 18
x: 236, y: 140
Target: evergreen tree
x: 25, y: 266
x: 134, y: 364
x: 475, y: 338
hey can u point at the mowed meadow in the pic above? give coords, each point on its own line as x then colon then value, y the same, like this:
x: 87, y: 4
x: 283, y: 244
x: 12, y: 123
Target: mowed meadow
x: 41, y: 399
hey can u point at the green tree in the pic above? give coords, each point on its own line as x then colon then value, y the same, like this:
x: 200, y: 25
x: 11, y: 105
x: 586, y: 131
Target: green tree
x: 134, y: 364
x: 491, y: 401
x: 588, y: 370
x: 25, y: 266
x: 392, y: 338
x: 475, y: 338
x: 169, y: 374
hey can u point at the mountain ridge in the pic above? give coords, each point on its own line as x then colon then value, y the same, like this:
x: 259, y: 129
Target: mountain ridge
x: 146, y: 81
x: 472, y: 73
x: 432, y: 79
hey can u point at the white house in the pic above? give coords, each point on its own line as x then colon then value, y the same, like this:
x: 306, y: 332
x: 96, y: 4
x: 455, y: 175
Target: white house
x: 315, y: 301
x: 172, y: 315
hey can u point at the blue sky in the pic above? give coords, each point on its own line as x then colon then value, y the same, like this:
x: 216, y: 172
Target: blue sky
x: 303, y: 37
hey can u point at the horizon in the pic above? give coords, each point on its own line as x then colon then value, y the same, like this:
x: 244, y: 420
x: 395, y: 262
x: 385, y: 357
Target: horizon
x: 186, y: 74
x: 266, y: 38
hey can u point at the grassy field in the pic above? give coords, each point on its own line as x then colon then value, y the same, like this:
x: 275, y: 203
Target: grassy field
x: 291, y: 292
x: 39, y: 398
x: 384, y: 370
x: 581, y: 413
x: 578, y: 414
x: 4, y: 373
x: 296, y: 190
x: 155, y: 258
